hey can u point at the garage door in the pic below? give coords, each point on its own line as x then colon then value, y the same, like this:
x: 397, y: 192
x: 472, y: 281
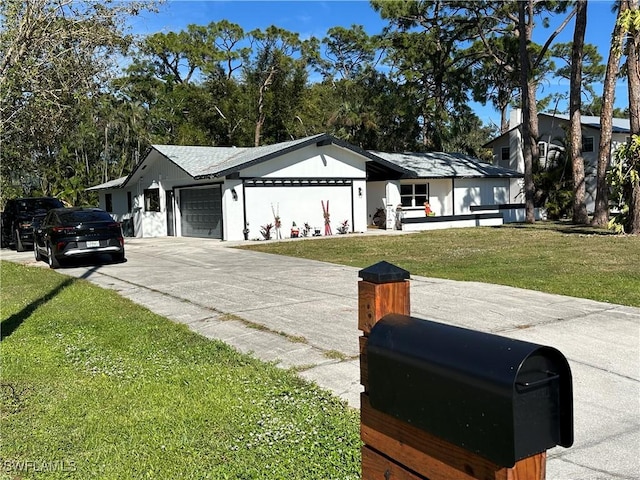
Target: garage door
x: 201, y: 212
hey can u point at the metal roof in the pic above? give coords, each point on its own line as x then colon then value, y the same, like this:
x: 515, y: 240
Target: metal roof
x: 620, y: 125
x: 110, y: 184
x: 446, y: 165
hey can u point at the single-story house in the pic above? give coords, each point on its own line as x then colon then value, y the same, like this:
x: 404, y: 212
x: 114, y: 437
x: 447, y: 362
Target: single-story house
x: 507, y: 148
x: 232, y: 193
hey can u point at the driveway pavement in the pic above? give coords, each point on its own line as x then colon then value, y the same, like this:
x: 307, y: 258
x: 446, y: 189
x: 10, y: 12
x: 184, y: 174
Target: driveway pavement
x: 307, y: 312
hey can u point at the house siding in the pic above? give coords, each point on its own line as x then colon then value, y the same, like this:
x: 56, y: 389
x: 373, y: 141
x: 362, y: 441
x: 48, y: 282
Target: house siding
x: 553, y: 132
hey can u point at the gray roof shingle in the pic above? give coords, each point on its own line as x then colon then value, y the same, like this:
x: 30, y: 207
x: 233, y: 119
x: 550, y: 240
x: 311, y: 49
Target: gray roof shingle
x: 202, y: 162
x: 216, y: 161
x: 446, y: 165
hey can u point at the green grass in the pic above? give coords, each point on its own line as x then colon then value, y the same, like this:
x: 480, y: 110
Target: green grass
x: 94, y: 386
x: 549, y: 257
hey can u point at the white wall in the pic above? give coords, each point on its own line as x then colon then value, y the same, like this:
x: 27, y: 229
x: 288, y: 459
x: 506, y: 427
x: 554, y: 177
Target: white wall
x: 233, y: 214
x: 480, y: 222
x: 311, y: 162
x: 376, y: 198
x: 298, y: 204
x: 440, y: 196
x: 302, y: 203
x: 479, y: 191
x: 360, y: 196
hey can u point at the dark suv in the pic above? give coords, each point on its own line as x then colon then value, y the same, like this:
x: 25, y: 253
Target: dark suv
x: 17, y: 230
x: 77, y: 232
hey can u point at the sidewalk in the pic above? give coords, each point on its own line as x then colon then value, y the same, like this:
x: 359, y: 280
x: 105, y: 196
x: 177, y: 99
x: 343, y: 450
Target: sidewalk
x: 307, y: 314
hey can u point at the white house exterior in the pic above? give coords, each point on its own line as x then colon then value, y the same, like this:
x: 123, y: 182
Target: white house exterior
x: 552, y: 129
x: 461, y: 191
x: 231, y: 193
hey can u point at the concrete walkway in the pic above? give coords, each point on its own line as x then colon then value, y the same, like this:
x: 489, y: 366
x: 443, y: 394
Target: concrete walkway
x: 307, y: 314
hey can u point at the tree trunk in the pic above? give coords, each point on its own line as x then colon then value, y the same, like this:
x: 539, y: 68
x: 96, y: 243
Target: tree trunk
x: 261, y: 115
x: 575, y: 101
x: 504, y: 120
x: 529, y: 111
x: 633, y: 77
x: 601, y: 212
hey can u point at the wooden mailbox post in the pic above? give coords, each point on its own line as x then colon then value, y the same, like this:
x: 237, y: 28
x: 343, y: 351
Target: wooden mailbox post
x: 394, y: 449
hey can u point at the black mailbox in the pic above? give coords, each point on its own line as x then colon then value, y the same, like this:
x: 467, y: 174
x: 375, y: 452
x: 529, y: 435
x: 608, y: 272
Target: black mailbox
x: 500, y: 398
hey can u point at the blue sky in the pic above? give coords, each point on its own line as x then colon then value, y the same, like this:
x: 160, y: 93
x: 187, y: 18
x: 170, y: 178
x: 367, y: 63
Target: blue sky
x: 314, y: 18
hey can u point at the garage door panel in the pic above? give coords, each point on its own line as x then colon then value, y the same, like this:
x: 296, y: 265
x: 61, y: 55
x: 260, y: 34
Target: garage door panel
x: 201, y: 212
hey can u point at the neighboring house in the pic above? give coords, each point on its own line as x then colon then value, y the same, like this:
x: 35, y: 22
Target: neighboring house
x: 552, y: 129
x: 230, y: 193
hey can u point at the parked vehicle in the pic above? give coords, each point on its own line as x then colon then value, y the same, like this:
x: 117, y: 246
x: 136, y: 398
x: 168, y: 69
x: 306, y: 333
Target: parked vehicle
x: 77, y: 232
x: 17, y: 217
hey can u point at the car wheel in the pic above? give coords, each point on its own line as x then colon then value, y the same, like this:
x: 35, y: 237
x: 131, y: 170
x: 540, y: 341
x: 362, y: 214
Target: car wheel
x: 19, y: 245
x: 36, y: 252
x: 53, y: 261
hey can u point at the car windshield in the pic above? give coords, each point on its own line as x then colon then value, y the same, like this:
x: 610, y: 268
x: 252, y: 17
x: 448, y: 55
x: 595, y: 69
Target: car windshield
x: 82, y: 216
x: 35, y: 204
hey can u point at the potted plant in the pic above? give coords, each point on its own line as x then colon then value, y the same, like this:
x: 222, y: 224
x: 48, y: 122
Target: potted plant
x: 265, y: 230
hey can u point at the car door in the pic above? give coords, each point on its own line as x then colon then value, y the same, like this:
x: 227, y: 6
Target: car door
x: 7, y: 227
x: 41, y: 236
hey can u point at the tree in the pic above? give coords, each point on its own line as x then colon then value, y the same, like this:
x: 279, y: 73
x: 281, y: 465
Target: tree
x: 496, y: 73
x: 623, y: 177
x: 348, y: 53
x: 592, y: 68
x: 275, y: 77
x: 425, y: 39
x: 530, y: 58
x: 631, y: 22
x: 56, y: 54
x: 575, y: 100
x: 601, y: 211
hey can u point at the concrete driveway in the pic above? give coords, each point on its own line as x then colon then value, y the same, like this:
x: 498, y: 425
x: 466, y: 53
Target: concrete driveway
x: 307, y: 314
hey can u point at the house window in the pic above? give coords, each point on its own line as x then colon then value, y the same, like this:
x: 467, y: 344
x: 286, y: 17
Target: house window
x: 542, y: 150
x: 108, y: 202
x: 129, y: 202
x: 505, y: 154
x: 587, y: 144
x: 414, y: 195
x: 152, y: 200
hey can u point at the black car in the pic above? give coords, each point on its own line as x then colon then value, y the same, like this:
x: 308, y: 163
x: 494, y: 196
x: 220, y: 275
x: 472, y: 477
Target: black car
x: 67, y: 233
x: 17, y: 218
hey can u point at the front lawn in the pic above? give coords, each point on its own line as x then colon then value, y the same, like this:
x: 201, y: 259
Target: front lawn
x: 550, y: 257
x: 94, y: 386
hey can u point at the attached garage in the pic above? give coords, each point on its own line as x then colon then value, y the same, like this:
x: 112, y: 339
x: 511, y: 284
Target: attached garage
x: 201, y: 211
